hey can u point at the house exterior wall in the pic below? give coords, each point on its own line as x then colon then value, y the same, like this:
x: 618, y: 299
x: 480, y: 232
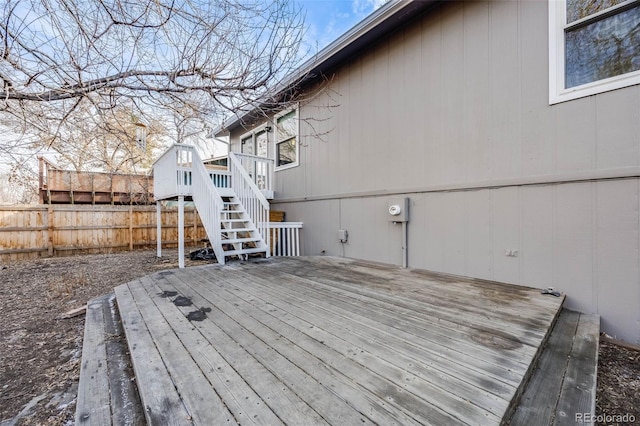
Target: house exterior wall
x: 452, y: 111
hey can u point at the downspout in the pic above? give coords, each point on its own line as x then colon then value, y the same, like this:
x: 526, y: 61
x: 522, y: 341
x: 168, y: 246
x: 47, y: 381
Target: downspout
x: 399, y: 213
x: 405, y: 245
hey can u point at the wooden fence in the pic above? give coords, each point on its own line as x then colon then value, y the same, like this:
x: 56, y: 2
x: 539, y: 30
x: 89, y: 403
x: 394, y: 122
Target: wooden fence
x: 61, y: 230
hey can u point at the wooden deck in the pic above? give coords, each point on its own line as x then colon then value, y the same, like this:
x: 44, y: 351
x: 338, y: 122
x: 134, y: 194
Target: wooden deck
x: 330, y: 341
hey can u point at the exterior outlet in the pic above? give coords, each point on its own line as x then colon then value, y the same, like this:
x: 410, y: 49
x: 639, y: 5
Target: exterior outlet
x: 343, y: 235
x: 511, y: 253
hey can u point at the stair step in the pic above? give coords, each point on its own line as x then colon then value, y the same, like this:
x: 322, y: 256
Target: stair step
x: 240, y: 240
x: 237, y: 229
x: 245, y: 251
x: 233, y: 220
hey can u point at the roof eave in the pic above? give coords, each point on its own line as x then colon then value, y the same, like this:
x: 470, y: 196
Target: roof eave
x: 382, y: 21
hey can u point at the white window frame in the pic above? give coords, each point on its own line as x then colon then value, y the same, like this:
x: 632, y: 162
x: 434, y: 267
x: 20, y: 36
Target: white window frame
x: 252, y: 133
x: 275, y: 139
x: 557, y: 91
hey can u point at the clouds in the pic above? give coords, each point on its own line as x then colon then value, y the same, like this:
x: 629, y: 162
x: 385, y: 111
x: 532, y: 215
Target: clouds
x: 327, y: 20
x: 364, y: 7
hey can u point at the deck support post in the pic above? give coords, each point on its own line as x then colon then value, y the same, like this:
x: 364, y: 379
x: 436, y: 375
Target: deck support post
x: 181, y: 231
x: 159, y: 228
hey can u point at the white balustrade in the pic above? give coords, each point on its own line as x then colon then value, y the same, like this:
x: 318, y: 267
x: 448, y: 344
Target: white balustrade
x: 248, y: 193
x: 220, y: 179
x: 260, y: 169
x: 285, y: 238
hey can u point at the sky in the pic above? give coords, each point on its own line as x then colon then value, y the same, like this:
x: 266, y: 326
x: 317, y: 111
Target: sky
x: 326, y: 20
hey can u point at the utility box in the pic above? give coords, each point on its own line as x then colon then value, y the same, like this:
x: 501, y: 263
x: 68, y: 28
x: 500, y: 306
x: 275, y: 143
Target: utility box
x: 343, y: 235
x: 399, y: 210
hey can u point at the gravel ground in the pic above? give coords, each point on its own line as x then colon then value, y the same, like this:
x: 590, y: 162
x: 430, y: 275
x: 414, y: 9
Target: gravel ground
x: 40, y: 352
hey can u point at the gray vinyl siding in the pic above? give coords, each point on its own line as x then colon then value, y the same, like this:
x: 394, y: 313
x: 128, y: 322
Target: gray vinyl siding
x: 453, y: 112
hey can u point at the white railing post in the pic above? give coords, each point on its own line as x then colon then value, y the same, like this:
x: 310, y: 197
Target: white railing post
x: 159, y: 228
x: 181, y: 231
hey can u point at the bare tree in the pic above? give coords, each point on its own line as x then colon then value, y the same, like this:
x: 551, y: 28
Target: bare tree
x: 112, y: 143
x: 55, y: 50
x: 17, y: 186
x: 65, y: 61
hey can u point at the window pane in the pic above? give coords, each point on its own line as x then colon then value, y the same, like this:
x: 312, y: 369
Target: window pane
x: 578, y: 9
x: 247, y: 145
x: 287, y: 126
x: 286, y: 152
x: 604, y: 49
x: 261, y: 144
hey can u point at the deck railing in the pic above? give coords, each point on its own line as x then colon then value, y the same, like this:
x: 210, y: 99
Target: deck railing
x: 260, y: 169
x: 285, y: 238
x: 220, y: 178
x: 251, y: 197
x: 209, y: 204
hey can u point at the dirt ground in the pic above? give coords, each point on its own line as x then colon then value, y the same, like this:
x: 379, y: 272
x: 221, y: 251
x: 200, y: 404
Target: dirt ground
x: 40, y: 352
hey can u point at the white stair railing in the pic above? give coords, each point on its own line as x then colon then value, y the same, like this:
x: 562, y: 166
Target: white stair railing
x: 260, y: 169
x: 285, y: 238
x: 248, y: 193
x: 208, y: 202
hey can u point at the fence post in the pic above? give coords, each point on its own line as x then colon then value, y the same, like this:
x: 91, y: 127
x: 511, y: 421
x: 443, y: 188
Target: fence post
x: 130, y: 228
x: 50, y: 225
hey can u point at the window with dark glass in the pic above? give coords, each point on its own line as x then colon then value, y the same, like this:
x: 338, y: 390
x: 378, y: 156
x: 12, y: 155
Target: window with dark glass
x: 602, y: 40
x: 286, y: 142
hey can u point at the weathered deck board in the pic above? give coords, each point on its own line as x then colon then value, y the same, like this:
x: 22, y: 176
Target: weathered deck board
x: 564, y: 381
x: 578, y: 388
x: 410, y: 322
x: 326, y: 340
x: 106, y: 393
x: 161, y: 401
x: 93, y: 391
x: 299, y: 369
x: 200, y: 398
x: 297, y: 348
x: 387, y: 343
x: 375, y: 355
x: 239, y: 397
x: 538, y: 403
x: 426, y: 287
